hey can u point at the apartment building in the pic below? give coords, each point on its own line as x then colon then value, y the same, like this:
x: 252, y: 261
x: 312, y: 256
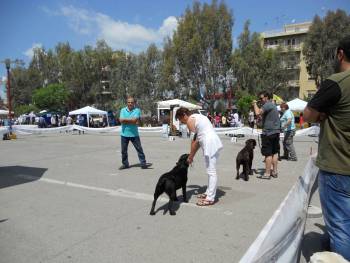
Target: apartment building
x: 291, y: 39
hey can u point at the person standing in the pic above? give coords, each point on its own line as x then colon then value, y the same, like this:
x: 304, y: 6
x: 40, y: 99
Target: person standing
x: 301, y: 121
x: 69, y: 120
x: 53, y: 121
x: 288, y: 127
x: 130, y: 118
x: 224, y: 120
x: 206, y: 138
x: 270, y: 133
x: 330, y: 107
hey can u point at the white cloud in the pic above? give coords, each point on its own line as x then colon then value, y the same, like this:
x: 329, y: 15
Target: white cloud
x: 118, y: 34
x: 30, y: 51
x: 168, y: 27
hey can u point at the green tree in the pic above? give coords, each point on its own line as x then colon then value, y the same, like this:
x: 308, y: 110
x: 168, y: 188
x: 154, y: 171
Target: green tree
x: 257, y: 68
x: 148, y: 78
x: 321, y: 43
x: 54, y: 97
x: 201, y: 49
x: 27, y: 108
x: 244, y: 103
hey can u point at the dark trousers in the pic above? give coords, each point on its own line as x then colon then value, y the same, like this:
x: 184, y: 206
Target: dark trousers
x: 137, y: 144
x: 288, y: 147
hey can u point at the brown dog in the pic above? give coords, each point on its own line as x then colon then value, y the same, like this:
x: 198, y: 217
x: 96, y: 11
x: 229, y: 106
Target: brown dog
x: 245, y: 158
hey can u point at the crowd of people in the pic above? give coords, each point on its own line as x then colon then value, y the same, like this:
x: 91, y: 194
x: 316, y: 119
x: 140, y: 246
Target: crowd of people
x: 59, y: 120
x: 227, y: 119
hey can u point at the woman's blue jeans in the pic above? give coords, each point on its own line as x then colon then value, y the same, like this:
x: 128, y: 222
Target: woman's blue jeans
x: 334, y: 192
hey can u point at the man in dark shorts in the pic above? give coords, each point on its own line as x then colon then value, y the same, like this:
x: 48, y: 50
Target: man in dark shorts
x: 270, y: 137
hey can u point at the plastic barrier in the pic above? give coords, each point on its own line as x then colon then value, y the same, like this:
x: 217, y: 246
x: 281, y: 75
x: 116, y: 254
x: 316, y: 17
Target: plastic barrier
x: 33, y: 129
x: 280, y: 239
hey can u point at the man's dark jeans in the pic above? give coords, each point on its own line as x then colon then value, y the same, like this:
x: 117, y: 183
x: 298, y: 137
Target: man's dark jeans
x: 137, y: 144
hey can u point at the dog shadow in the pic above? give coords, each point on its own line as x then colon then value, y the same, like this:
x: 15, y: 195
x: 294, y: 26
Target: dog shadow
x: 194, y: 190
x: 315, y: 242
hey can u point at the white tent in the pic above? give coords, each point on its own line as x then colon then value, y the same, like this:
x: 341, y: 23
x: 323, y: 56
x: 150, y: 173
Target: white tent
x: 175, y: 103
x: 4, y: 112
x: 297, y: 105
x: 89, y: 111
x: 166, y: 104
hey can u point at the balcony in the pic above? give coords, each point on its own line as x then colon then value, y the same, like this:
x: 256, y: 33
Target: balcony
x: 285, y: 48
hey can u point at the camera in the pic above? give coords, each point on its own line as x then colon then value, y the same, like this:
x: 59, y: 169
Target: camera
x: 259, y: 103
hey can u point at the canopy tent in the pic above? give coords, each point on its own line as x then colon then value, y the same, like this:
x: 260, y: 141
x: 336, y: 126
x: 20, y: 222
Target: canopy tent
x: 89, y: 111
x: 278, y: 99
x: 4, y: 112
x: 167, y: 104
x: 297, y: 105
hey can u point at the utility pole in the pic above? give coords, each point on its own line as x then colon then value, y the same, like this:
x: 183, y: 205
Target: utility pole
x: 8, y: 63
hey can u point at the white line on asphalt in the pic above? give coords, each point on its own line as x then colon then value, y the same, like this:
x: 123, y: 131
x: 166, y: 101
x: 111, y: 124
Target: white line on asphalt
x: 118, y: 192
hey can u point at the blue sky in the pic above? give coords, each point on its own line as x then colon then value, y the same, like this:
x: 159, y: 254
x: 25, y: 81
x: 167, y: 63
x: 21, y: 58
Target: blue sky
x: 129, y: 24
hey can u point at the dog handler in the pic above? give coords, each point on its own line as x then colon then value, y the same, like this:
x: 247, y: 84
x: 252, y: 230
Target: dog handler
x: 206, y: 138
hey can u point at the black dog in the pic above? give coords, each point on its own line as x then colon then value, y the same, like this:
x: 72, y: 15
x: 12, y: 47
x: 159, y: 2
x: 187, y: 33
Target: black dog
x: 245, y: 158
x: 170, y: 182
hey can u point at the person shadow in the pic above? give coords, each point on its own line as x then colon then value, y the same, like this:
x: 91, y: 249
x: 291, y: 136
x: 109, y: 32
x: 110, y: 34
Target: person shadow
x: 149, y: 165
x: 194, y: 190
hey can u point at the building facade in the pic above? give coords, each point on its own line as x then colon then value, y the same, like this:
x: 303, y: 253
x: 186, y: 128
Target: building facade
x: 291, y: 40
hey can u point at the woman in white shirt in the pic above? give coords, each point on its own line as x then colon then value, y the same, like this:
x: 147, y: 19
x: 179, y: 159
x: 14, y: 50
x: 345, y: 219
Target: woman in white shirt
x: 206, y: 138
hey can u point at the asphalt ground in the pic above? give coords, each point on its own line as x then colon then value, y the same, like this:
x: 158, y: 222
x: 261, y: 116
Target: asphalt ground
x: 63, y: 199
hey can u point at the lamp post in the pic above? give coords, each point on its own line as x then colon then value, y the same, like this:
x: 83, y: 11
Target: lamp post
x: 9, y: 104
x: 8, y: 63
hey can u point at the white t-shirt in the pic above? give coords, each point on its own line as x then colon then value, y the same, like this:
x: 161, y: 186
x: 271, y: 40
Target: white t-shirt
x: 206, y: 135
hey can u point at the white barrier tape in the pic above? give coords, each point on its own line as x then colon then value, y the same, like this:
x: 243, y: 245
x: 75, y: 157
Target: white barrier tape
x: 36, y: 130
x: 33, y: 129
x: 280, y: 239
x: 312, y: 131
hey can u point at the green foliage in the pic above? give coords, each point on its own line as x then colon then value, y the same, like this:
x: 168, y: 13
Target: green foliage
x: 256, y: 68
x: 200, y: 50
x: 53, y: 97
x: 22, y: 109
x: 321, y: 43
x: 244, y: 103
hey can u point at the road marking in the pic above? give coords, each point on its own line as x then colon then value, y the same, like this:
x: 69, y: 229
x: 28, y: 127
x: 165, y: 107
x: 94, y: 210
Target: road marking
x: 112, y: 192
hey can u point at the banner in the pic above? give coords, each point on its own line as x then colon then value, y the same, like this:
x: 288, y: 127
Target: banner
x: 280, y: 239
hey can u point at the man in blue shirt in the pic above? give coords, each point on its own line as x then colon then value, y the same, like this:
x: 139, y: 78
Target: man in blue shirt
x: 129, y: 118
x: 288, y: 127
